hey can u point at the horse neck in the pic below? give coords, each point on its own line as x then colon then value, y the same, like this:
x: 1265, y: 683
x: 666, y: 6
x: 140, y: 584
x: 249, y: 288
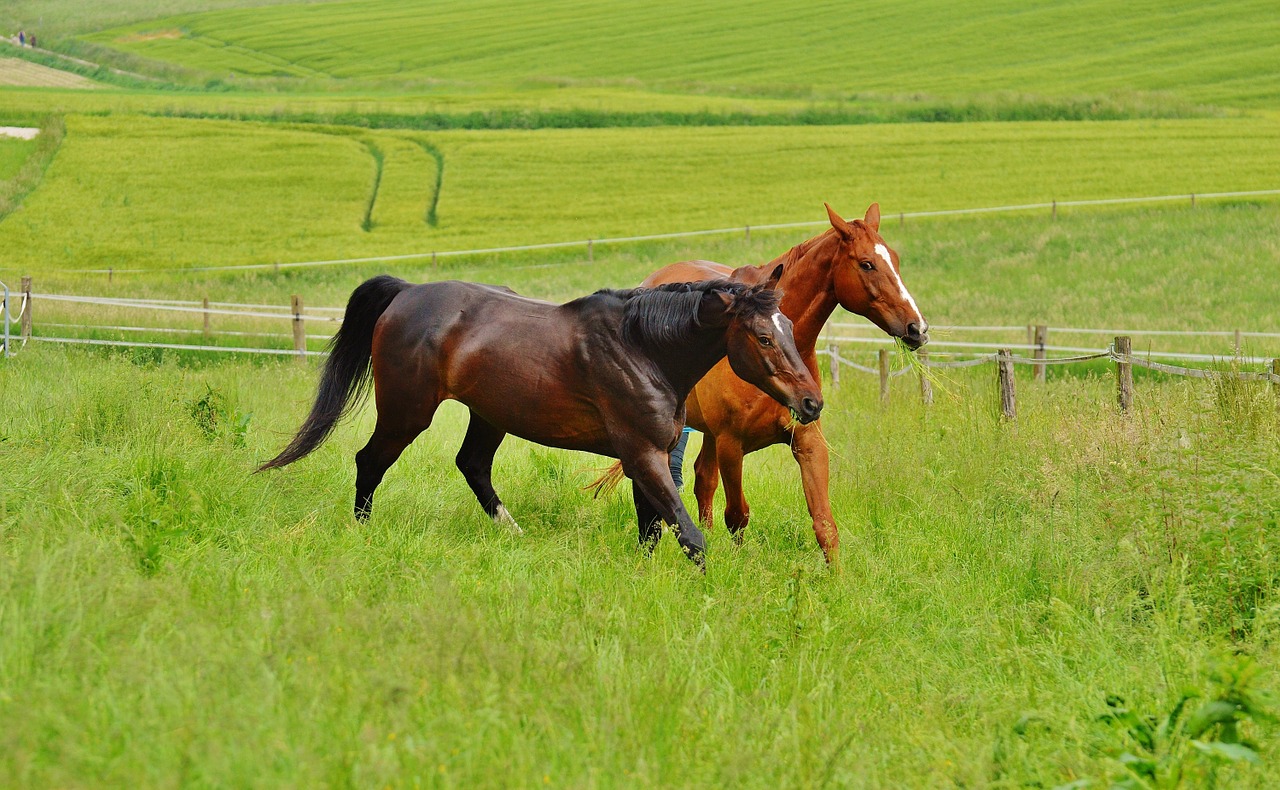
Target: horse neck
x: 685, y: 365
x: 808, y: 289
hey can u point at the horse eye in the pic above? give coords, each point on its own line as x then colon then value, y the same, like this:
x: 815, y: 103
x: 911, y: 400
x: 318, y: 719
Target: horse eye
x: 764, y: 341
x: 867, y: 266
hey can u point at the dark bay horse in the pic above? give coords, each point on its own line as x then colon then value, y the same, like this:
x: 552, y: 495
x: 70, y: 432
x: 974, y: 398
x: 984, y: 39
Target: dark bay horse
x: 608, y: 373
x: 849, y: 265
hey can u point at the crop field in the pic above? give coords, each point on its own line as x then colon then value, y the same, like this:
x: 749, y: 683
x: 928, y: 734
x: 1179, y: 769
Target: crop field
x: 1073, y: 598
x: 171, y: 193
x: 887, y: 47
x: 17, y: 72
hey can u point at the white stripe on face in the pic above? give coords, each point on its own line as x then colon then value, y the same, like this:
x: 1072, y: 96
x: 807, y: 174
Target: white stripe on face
x: 777, y: 321
x: 883, y: 252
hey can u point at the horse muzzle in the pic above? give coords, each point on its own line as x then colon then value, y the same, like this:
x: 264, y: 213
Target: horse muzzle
x: 917, y: 335
x: 809, y: 410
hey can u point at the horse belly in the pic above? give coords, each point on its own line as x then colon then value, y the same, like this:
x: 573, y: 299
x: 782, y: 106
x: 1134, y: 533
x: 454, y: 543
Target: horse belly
x: 527, y: 399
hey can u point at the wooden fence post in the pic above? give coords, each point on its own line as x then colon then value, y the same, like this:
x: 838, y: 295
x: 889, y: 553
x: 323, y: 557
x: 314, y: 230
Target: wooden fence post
x: 205, y: 303
x: 1008, y: 395
x: 591, y: 250
x: 1124, y: 374
x: 1239, y: 343
x: 299, y: 330
x: 1042, y: 337
x: 884, y: 375
x: 748, y: 233
x: 1055, y: 209
x: 26, y: 314
x: 1275, y: 382
x: 926, y: 386
x: 833, y: 351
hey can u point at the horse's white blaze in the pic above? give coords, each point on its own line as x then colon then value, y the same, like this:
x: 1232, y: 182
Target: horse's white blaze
x: 504, y: 518
x: 883, y: 252
x: 777, y: 321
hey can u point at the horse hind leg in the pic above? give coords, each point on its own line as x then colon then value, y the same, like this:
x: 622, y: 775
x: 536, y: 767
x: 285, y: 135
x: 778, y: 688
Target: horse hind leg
x: 706, y: 480
x: 390, y: 438
x: 475, y: 461
x: 736, y: 511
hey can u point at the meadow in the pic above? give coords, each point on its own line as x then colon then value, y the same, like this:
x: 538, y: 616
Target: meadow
x: 176, y: 193
x: 899, y: 48
x: 1074, y: 598
x: 171, y: 619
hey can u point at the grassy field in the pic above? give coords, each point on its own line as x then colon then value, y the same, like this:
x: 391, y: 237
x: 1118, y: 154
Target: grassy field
x: 1088, y: 268
x: 172, y: 194
x: 170, y: 619
x: 13, y: 152
x: 1017, y: 600
x: 1220, y: 55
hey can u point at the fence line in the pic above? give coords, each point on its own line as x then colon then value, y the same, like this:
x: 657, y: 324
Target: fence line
x: 107, y: 302
x: 744, y: 229
x: 1078, y: 331
x: 1118, y: 352
x: 881, y: 341
x: 177, y: 346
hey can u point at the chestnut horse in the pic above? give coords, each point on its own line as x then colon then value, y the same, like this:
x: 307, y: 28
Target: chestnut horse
x: 848, y: 265
x: 608, y: 373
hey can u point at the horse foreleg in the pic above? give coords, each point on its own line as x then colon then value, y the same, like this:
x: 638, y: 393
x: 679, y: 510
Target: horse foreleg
x: 648, y: 517
x: 651, y: 480
x: 475, y: 461
x: 736, y: 511
x: 809, y: 448
x: 384, y: 447
x: 706, y: 480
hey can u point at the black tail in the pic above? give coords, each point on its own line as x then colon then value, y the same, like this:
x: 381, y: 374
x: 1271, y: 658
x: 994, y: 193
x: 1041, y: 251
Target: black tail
x: 345, y: 380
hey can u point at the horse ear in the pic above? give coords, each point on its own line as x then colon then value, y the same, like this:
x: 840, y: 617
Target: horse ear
x: 873, y: 217
x: 774, y: 277
x: 837, y: 222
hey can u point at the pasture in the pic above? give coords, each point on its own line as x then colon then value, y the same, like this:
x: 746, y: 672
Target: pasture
x: 890, y: 48
x: 271, y: 193
x: 1016, y: 600
x: 171, y: 619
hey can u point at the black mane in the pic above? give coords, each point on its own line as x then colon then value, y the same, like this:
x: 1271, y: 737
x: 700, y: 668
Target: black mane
x: 666, y: 316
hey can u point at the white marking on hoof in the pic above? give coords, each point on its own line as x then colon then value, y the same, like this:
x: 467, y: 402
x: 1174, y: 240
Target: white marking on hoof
x: 504, y: 518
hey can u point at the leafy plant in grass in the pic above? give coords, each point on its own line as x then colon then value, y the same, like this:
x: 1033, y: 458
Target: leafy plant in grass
x: 1179, y: 750
x: 217, y: 417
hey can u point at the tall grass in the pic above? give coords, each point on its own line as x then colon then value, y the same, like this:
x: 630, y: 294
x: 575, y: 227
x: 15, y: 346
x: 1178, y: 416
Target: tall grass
x: 170, y: 618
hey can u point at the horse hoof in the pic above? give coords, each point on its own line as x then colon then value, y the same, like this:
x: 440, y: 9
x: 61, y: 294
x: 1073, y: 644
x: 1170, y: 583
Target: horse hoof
x: 503, y: 518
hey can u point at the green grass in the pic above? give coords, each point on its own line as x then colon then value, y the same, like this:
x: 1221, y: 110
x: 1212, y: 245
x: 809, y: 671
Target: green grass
x: 170, y: 619
x: 172, y: 194
x: 13, y: 153
x: 1220, y: 55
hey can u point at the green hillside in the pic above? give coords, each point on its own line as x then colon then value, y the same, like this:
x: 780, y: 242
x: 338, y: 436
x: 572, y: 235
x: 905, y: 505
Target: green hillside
x: 136, y: 192
x: 1224, y: 53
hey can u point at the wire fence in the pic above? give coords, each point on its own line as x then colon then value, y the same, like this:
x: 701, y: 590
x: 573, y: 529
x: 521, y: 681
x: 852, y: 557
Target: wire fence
x: 589, y: 244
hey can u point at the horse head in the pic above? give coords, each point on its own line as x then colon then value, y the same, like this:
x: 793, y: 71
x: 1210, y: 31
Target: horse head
x: 867, y: 280
x: 762, y: 348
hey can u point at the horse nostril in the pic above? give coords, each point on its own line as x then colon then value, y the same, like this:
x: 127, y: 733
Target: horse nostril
x: 810, y: 407
x: 913, y: 329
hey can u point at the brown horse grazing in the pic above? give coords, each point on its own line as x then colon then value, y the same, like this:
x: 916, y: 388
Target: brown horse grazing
x: 608, y: 373
x: 848, y: 265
